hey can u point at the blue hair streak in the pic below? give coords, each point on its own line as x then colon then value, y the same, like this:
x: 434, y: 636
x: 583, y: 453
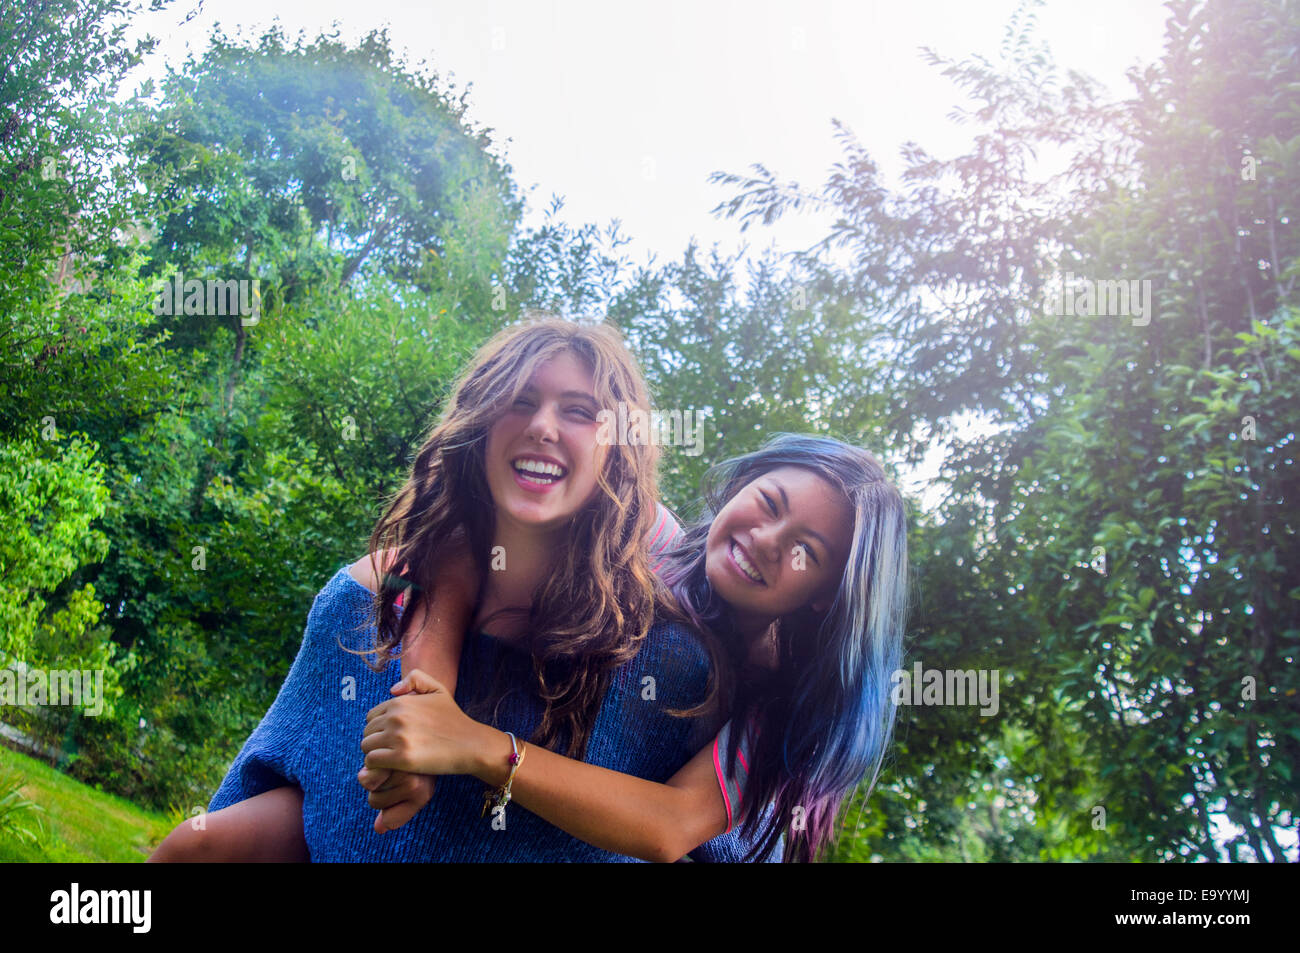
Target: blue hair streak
x: 821, y: 723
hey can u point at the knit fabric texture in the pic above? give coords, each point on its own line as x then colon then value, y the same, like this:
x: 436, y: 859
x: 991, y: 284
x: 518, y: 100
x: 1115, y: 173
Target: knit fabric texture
x: 311, y: 737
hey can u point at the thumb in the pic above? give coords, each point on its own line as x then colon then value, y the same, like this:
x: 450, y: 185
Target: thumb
x: 423, y: 682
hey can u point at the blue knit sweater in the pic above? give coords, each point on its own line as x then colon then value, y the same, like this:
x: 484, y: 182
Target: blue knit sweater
x: 311, y: 737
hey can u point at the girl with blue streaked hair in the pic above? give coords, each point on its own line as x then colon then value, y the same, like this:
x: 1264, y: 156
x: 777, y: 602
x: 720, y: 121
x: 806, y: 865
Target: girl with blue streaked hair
x: 796, y: 574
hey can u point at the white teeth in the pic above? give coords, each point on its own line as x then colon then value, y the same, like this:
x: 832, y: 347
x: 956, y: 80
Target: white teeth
x: 745, y: 564
x: 539, y: 468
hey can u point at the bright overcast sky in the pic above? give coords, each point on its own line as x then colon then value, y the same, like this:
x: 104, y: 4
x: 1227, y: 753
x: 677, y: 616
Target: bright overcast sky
x: 625, y: 108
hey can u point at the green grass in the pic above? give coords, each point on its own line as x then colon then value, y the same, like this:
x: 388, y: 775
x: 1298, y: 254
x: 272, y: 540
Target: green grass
x: 80, y: 823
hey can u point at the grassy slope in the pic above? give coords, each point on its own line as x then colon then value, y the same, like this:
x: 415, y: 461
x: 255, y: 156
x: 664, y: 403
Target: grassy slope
x: 81, y: 824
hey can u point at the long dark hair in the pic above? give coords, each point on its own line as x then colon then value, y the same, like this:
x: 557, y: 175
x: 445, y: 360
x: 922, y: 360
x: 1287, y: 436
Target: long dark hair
x: 822, y: 721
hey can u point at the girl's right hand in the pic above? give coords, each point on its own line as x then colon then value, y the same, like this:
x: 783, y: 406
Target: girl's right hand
x: 423, y: 731
x: 398, y: 795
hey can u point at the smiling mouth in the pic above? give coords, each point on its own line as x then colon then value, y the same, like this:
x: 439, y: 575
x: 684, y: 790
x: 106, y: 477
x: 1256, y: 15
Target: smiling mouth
x: 746, y: 567
x: 539, y: 471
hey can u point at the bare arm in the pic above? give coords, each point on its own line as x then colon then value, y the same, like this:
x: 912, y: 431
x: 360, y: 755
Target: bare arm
x: 433, y: 638
x: 428, y: 733
x: 614, y: 811
x: 262, y: 829
x: 431, y: 642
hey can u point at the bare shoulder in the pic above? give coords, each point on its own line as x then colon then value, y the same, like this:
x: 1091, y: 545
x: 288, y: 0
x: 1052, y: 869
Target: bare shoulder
x: 363, y: 570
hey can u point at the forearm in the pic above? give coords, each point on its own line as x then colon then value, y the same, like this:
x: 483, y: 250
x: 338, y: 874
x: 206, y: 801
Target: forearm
x: 424, y: 732
x: 431, y: 644
x: 607, y: 809
x: 436, y: 634
x: 436, y: 650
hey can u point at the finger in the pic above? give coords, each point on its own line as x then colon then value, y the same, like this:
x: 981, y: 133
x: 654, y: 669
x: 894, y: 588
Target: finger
x: 399, y: 782
x: 391, y: 710
x: 376, y: 740
x: 423, y: 682
x: 373, y: 780
x: 374, y: 725
x: 397, y: 815
x: 384, y: 758
x: 402, y: 787
x: 401, y: 688
x: 389, y: 797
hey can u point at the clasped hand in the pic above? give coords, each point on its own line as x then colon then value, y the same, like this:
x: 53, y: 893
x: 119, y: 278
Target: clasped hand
x: 420, y: 733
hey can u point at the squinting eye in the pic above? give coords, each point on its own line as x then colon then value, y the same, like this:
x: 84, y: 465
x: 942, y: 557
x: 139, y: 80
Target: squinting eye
x: 769, y: 502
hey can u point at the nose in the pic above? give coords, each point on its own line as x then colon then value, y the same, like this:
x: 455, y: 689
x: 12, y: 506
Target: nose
x: 542, y: 427
x: 766, y: 543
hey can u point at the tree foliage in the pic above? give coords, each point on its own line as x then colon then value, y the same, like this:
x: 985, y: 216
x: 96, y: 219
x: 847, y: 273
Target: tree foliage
x: 1115, y: 538
x: 1117, y: 518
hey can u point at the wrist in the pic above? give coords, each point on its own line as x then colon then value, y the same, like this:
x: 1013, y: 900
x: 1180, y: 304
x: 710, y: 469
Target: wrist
x: 493, y: 757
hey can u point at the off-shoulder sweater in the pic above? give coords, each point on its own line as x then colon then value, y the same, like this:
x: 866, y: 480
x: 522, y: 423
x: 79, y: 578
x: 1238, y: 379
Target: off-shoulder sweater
x: 312, y: 733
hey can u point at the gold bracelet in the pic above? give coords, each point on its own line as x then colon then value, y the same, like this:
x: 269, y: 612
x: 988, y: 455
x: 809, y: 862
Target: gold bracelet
x: 495, y: 797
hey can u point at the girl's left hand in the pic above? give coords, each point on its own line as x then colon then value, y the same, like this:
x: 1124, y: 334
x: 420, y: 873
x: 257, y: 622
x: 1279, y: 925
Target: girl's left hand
x: 397, y: 795
x: 423, y: 731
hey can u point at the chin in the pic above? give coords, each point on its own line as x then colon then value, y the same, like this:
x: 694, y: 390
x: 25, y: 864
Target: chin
x: 540, y: 520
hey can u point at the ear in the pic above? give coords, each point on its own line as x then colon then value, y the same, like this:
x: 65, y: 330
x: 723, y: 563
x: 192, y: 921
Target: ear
x: 822, y: 602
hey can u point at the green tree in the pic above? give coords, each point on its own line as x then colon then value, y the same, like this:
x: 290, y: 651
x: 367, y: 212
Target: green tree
x: 1114, y: 541
x: 73, y: 346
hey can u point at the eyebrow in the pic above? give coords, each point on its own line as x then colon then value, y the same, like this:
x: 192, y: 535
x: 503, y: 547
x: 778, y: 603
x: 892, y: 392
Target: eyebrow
x: 785, y: 500
x: 567, y: 395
